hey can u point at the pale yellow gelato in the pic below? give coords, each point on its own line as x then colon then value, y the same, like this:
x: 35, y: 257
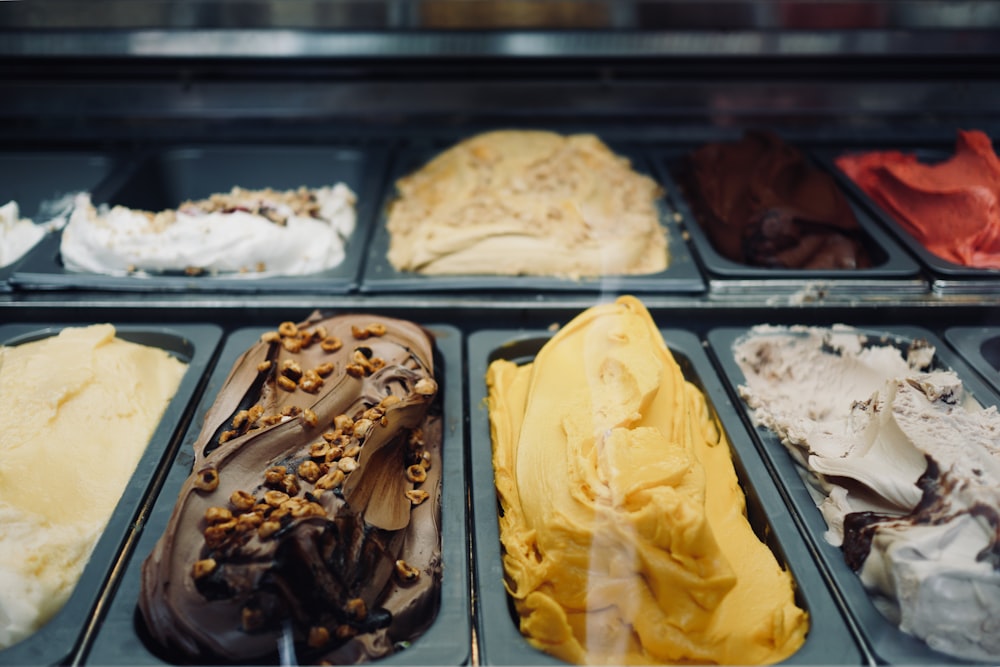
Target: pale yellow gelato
x: 515, y: 202
x: 623, y: 525
x: 79, y: 409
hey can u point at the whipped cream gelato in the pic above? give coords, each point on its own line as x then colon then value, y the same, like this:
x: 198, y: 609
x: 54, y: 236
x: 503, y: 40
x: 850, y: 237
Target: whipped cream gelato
x: 905, y: 468
x: 17, y: 235
x: 243, y: 233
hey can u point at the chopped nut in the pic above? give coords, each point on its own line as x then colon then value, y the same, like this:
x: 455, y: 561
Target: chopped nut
x: 391, y: 399
x: 376, y: 329
x: 207, y: 479
x: 286, y: 383
x: 252, y: 619
x: 215, y: 536
x: 356, y: 609
x: 309, y: 471
x: 417, y: 496
x: 249, y: 520
x: 226, y: 436
x: 318, y: 637
x: 334, y: 454
x: 275, y: 498
x: 376, y: 364
x: 309, y: 417
x: 271, y: 420
x: 292, y: 345
x: 416, y: 473
x: 203, y: 568
x: 290, y: 484
x: 361, y: 427
x: 217, y: 515
x: 353, y: 451
x: 359, y: 332
x: 425, y: 460
x: 416, y: 438
x: 307, y: 510
x: 240, y: 418
x: 267, y: 529
x: 319, y: 333
x: 355, y: 371
x: 343, y: 423
x: 291, y: 410
x: 291, y: 369
x: 311, y: 383
x: 319, y: 450
x: 324, y: 370
x: 331, y: 480
x: 373, y: 413
x: 256, y: 412
x: 273, y: 476
x: 331, y: 344
x: 270, y: 337
x: 242, y: 501
x: 405, y: 572
x: 425, y: 387
x: 347, y: 464
x: 264, y: 366
x: 288, y: 329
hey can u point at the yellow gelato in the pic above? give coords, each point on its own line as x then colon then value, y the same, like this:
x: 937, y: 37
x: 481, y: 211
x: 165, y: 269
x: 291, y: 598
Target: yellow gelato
x: 521, y: 202
x: 79, y: 410
x: 624, y: 528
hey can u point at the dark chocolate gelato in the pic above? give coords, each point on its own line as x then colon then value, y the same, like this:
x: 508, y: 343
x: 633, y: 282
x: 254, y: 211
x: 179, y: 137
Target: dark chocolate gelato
x: 763, y: 203
x: 312, y: 511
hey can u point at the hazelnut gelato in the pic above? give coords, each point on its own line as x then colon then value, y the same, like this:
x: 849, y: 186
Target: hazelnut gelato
x: 312, y: 511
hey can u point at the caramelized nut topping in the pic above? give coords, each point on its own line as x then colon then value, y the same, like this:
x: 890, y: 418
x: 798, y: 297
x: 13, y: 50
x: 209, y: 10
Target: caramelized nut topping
x: 354, y: 370
x: 226, y: 436
x: 373, y: 413
x: 425, y: 460
x: 309, y: 471
x: 217, y: 515
x: 309, y: 417
x: 270, y: 337
x: 275, y: 498
x: 288, y: 329
x: 417, y: 496
x: 273, y: 476
x: 242, y: 501
x: 324, y: 370
x: 267, y: 529
x: 318, y: 637
x: 416, y: 473
x: 353, y: 451
x: 343, y: 423
x: 291, y: 369
x: 334, y: 454
x: 347, y: 464
x: 405, y: 572
x: 256, y: 412
x: 319, y: 450
x: 425, y: 387
x: 331, y: 344
x: 286, y: 383
x: 249, y: 520
x: 290, y: 484
x: 391, y: 399
x: 203, y: 568
x: 361, y: 427
x: 207, y: 479
x: 264, y: 366
x: 292, y: 345
x: 356, y: 609
x: 331, y: 480
x: 240, y: 418
x: 290, y: 410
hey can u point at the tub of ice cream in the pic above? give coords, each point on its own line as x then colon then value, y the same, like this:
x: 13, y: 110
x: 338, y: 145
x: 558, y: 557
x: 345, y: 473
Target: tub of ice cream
x: 57, y: 566
x: 395, y: 592
x: 787, y: 572
x: 980, y: 347
x: 247, y: 219
x: 887, y: 458
x: 936, y: 202
x: 764, y: 217
x: 38, y: 186
x: 525, y: 211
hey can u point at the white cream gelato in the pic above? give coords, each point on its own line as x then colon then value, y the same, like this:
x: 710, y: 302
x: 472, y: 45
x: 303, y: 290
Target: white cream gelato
x: 243, y: 233
x: 907, y: 466
x: 17, y: 235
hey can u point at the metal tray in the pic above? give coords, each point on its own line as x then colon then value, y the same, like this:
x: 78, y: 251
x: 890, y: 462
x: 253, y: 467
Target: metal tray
x: 946, y: 277
x: 680, y: 277
x: 884, y: 639
x: 120, y: 639
x: 164, y: 179
x: 894, y: 272
x: 829, y: 641
x: 980, y: 347
x: 36, y: 181
x: 59, y: 640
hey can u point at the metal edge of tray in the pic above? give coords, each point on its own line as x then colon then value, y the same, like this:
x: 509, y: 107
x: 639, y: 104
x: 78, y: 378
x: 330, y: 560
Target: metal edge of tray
x: 885, y: 640
x: 829, y: 640
x: 968, y: 342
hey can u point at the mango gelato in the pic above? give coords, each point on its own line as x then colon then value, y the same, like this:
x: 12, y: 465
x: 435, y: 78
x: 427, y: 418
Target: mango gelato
x: 79, y: 410
x: 623, y: 524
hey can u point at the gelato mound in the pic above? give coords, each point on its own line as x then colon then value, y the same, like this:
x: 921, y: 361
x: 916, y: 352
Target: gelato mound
x: 624, y: 528
x: 17, y: 235
x: 905, y: 467
x: 527, y: 203
x: 312, y: 511
x: 762, y: 202
x: 951, y: 207
x: 80, y: 408
x: 239, y: 234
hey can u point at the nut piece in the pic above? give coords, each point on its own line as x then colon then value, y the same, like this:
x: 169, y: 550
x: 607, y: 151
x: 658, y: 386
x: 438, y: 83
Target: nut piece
x: 207, y: 479
x: 291, y: 369
x: 288, y: 329
x: 309, y: 417
x: 318, y: 637
x: 347, y: 464
x: 331, y: 480
x: 331, y: 344
x: 309, y: 471
x: 242, y: 501
x: 391, y: 399
x: 217, y: 515
x: 416, y: 473
x: 267, y: 529
x: 356, y: 609
x: 417, y: 496
x: 324, y: 370
x: 405, y: 572
x: 274, y: 475
x: 275, y: 498
x: 270, y: 337
x: 264, y: 366
x: 286, y: 383
x: 202, y: 568
x: 425, y: 387
x: 343, y: 423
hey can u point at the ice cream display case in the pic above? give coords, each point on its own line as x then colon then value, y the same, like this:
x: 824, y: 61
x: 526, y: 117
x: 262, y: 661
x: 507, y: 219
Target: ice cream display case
x: 507, y: 333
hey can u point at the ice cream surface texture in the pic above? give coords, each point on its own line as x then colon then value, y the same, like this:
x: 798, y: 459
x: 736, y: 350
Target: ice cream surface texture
x: 17, y: 235
x: 80, y: 408
x: 623, y: 524
x: 906, y: 470
x: 313, y: 509
x: 239, y: 234
x: 762, y: 202
x: 513, y: 202
x: 952, y: 207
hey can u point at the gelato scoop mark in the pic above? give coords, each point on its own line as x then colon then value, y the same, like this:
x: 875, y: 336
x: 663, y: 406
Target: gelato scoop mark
x: 623, y: 524
x: 763, y: 203
x: 239, y: 234
x: 952, y: 207
x: 906, y: 470
x: 312, y: 508
x: 80, y: 407
x: 527, y: 203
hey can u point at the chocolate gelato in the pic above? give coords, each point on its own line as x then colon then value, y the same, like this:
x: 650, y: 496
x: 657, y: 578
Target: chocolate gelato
x: 312, y: 512
x: 763, y: 203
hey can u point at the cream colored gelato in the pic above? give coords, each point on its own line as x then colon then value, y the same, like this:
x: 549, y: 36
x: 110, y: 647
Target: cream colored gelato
x: 623, y: 523
x: 527, y: 203
x: 240, y: 234
x: 17, y: 235
x: 79, y: 410
x: 906, y: 470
